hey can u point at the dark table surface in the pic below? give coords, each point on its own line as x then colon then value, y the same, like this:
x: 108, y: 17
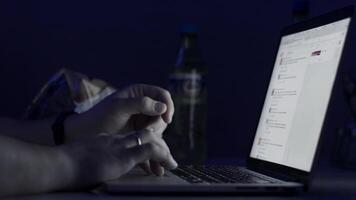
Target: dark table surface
x: 329, y: 182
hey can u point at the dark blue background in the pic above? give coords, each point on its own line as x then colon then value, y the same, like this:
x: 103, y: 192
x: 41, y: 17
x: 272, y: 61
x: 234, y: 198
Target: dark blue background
x: 133, y: 41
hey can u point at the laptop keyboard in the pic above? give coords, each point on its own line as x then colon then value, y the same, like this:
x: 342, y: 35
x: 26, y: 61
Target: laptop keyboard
x: 218, y: 174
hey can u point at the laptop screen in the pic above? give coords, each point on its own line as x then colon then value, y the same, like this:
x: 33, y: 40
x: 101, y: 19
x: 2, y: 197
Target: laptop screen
x: 298, y: 95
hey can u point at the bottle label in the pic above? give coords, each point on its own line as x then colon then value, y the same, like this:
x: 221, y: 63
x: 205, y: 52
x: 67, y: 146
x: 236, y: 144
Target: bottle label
x: 188, y: 86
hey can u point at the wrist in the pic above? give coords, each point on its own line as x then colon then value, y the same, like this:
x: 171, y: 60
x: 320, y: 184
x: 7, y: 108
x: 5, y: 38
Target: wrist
x: 74, y: 162
x: 81, y: 126
x: 65, y: 168
x: 75, y: 128
x: 51, y: 169
x: 34, y: 168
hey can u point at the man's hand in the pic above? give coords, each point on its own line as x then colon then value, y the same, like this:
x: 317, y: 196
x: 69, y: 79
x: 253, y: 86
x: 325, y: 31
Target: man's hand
x: 29, y: 168
x: 108, y: 156
x: 133, y: 108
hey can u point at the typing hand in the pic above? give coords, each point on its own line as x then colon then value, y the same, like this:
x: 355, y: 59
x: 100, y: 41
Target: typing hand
x: 107, y: 156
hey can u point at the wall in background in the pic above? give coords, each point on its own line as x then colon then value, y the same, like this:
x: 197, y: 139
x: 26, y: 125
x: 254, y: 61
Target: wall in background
x: 133, y: 41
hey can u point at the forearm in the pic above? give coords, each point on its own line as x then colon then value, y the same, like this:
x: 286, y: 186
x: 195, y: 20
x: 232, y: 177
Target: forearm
x: 34, y: 131
x: 27, y: 168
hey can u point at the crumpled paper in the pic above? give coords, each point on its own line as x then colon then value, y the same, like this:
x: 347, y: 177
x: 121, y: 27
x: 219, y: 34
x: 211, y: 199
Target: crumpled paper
x: 67, y: 91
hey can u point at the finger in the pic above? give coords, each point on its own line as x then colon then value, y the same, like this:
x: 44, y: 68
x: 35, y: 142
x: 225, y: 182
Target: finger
x: 146, y: 167
x: 148, y: 137
x: 141, y: 105
x: 157, y: 125
x: 143, y: 136
x: 156, y: 168
x: 131, y: 140
x: 150, y: 151
x: 162, y: 95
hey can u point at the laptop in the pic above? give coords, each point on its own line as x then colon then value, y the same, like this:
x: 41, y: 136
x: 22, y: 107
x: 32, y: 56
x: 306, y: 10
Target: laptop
x: 290, y: 125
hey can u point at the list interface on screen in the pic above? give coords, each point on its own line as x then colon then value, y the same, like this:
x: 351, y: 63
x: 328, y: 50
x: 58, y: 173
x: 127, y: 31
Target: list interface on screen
x: 298, y: 95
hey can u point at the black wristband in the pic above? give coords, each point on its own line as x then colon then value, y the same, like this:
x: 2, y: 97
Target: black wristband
x: 58, y: 127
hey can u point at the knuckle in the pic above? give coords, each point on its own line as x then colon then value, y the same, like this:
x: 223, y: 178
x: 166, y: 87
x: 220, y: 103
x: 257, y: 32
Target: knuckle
x: 133, y: 87
x: 147, y: 135
x: 145, y: 101
x: 166, y: 93
x: 151, y: 134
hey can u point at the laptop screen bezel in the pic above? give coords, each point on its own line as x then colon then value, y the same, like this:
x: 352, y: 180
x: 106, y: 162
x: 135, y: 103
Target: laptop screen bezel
x: 283, y: 171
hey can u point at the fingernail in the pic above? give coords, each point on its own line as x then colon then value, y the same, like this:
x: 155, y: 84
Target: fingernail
x: 160, y: 107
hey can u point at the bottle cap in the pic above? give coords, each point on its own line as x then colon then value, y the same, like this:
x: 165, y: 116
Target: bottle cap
x: 189, y: 29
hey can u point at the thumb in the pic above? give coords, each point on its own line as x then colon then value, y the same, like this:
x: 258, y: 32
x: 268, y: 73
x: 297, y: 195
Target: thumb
x: 142, y: 105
